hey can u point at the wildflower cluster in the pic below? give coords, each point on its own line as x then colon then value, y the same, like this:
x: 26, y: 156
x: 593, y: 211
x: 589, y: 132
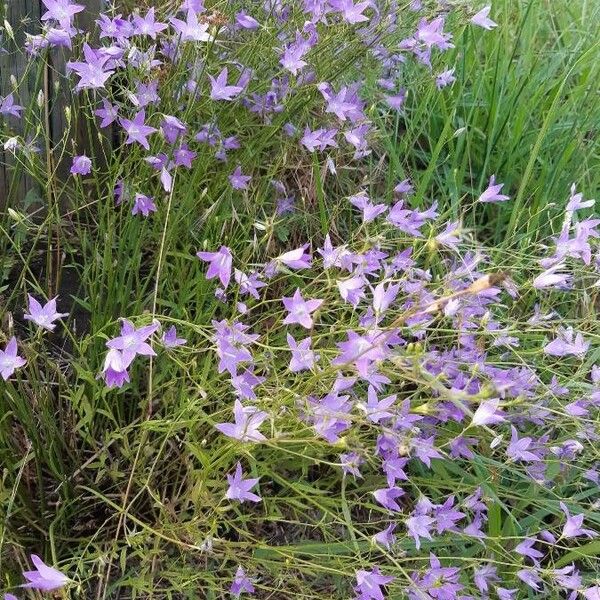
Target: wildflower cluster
x: 378, y: 361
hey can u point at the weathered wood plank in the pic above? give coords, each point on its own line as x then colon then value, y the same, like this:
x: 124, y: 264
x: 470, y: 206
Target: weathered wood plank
x: 33, y: 77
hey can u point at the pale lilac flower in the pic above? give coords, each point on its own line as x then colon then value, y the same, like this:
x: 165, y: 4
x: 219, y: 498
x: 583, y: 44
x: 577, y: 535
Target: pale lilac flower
x: 219, y: 88
x: 43, y: 316
x: 386, y: 537
x: 525, y: 548
x: 295, y: 259
x: 44, y: 578
x: 238, y: 180
x: 369, y: 584
x: 239, y: 488
x: 484, y: 576
x: 246, y: 21
x: 220, y: 264
x: 387, y: 497
x: 8, y: 106
x: 488, y: 413
x: 573, y: 526
x: 247, y: 420
x: 375, y: 409
x: 445, y: 78
x: 191, y: 30
x: 108, y: 113
x: 115, y: 369
x: 299, y: 310
x: 351, y: 13
x: 492, y: 193
x: 132, y: 341
x: 170, y: 339
x: 143, y: 205
x: 241, y: 583
x: 518, y: 449
x: 82, y: 165
x: 137, y: 130
x: 361, y: 352
x: 383, y: 296
x: 303, y: 358
x: 530, y: 577
x: 10, y: 597
x: 567, y: 343
x: 418, y: 527
x: 62, y: 11
x: 592, y: 593
x: 550, y: 278
x: 576, y: 201
x: 9, y: 359
x: 350, y: 463
x: 148, y: 25
x: 370, y: 211
x: 481, y: 18
x: 352, y: 290
x: 92, y: 71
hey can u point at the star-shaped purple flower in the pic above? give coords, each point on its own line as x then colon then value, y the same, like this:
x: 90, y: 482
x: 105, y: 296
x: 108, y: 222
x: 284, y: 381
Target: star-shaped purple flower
x: 300, y: 310
x: 239, y: 488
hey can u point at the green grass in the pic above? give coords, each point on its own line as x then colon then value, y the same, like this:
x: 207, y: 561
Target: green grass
x: 122, y: 490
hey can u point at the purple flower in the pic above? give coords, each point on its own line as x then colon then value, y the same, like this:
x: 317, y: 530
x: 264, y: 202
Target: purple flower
x: 220, y: 264
x: 115, y: 369
x: 487, y: 413
x: 82, y: 165
x: 239, y: 488
x: 132, y: 341
x: 444, y: 79
x: 143, y: 205
x: 148, y: 25
x: 191, y: 30
x: 525, y: 548
x: 299, y: 310
x: 108, y: 113
x: 170, y: 339
x: 238, y: 180
x: 62, y: 11
x: 44, y: 578
x: 550, y: 278
x: 386, y: 537
x: 351, y: 13
x: 318, y: 139
x: 387, y: 497
x: 573, y: 526
x: 375, y: 409
x: 137, y: 130
x: 567, y: 343
x: 303, y: 358
x: 247, y: 420
x: 246, y: 21
x: 219, y: 88
x: 10, y: 597
x: 368, y: 584
x: 8, y: 107
x: 296, y: 259
x: 9, y: 359
x: 241, y: 583
x: 92, y: 71
x: 481, y: 18
x: 418, y: 526
x: 492, y: 193
x: 350, y: 463
x: 483, y: 576
x: 43, y: 316
x: 361, y: 352
x: 518, y: 449
x: 370, y: 211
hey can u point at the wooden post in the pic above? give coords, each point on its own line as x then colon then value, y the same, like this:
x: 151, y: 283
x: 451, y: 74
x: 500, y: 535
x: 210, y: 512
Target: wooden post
x: 24, y: 17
